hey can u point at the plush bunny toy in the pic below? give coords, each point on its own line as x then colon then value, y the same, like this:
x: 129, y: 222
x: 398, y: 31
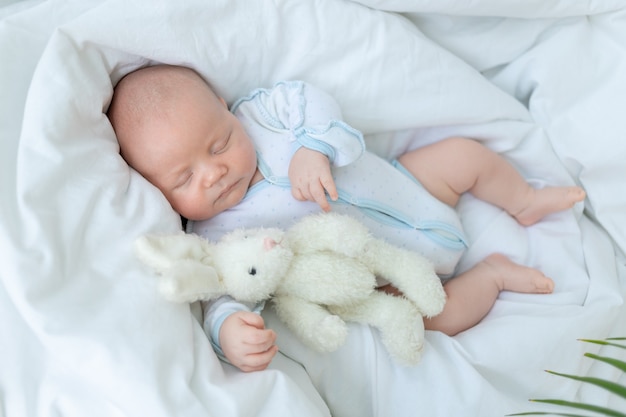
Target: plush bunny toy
x: 318, y: 273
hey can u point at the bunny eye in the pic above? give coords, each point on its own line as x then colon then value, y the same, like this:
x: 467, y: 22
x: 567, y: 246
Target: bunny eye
x: 252, y: 271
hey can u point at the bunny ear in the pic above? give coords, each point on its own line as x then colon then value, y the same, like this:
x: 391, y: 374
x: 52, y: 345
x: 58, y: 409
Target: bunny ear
x: 183, y: 263
x: 161, y: 251
x: 189, y: 281
x: 149, y: 250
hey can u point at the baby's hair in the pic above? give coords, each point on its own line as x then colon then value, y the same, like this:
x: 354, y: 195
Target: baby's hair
x: 148, y: 93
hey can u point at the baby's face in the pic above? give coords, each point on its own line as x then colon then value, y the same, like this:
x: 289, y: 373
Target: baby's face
x: 198, y: 155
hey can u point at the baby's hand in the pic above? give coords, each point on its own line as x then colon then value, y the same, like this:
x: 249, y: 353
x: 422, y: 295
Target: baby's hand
x: 310, y: 176
x: 246, y: 342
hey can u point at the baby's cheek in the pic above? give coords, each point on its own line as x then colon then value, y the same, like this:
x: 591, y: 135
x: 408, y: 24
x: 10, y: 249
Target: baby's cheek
x: 233, y: 199
x: 190, y: 207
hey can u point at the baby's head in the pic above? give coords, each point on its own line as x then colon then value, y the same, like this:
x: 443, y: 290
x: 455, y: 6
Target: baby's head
x: 180, y: 136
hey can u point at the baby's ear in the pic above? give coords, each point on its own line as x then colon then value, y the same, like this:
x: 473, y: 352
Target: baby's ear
x: 159, y: 252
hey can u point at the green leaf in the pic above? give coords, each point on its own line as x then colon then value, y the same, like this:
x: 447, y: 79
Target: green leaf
x: 617, y: 389
x: 582, y: 406
x: 610, y: 386
x: 605, y: 343
x: 621, y: 365
x: 543, y: 413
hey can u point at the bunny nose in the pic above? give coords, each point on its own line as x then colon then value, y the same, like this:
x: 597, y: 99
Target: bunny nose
x: 268, y: 243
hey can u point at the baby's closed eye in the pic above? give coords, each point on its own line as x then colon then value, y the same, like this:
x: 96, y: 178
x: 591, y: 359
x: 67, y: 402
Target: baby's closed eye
x: 183, y: 180
x: 220, y: 146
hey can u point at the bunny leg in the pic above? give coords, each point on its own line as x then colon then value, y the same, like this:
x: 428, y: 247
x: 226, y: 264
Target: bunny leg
x: 312, y: 323
x: 400, y: 324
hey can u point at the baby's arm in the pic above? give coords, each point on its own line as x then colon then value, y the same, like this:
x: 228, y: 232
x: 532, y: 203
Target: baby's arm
x: 321, y: 137
x: 238, y: 334
x: 246, y: 342
x: 311, y: 178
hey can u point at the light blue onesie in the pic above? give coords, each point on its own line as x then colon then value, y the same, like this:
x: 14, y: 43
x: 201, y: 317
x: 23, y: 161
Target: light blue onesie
x: 382, y: 195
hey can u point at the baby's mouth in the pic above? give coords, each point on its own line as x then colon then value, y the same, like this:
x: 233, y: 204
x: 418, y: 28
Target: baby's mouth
x: 227, y: 190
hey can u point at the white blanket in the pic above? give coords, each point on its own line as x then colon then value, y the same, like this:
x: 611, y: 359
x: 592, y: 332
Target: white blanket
x: 83, y: 330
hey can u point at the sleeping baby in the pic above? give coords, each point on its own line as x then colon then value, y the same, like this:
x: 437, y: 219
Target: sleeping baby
x: 282, y: 153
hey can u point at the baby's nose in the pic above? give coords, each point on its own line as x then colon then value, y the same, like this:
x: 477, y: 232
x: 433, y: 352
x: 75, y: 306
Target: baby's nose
x: 211, y: 174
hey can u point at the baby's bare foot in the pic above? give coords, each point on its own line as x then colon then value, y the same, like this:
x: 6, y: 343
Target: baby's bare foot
x: 548, y: 200
x: 517, y: 278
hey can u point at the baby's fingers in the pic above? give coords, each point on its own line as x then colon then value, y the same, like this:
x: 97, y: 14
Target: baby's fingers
x: 329, y: 185
x: 258, y: 361
x: 261, y: 348
x: 260, y: 340
x: 319, y: 196
x: 298, y: 194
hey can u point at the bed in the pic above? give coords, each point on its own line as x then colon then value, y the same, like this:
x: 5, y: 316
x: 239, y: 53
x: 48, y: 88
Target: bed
x: 83, y: 330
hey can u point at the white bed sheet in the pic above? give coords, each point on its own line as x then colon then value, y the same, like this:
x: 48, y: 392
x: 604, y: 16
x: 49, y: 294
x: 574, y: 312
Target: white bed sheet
x: 84, y: 331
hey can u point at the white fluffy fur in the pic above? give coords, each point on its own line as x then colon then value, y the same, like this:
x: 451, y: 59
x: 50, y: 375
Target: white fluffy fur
x: 319, y: 273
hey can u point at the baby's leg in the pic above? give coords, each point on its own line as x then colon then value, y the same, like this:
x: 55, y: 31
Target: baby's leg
x: 473, y: 293
x: 453, y: 166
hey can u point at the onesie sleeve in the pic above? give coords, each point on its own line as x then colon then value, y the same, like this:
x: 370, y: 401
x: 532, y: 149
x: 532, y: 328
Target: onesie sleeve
x: 305, y: 115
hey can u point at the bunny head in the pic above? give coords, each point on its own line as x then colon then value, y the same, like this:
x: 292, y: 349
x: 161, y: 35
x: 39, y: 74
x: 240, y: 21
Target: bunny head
x: 251, y: 263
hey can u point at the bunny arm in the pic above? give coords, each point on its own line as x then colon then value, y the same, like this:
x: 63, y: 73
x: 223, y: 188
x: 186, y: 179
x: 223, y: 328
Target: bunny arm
x: 410, y: 272
x: 313, y: 324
